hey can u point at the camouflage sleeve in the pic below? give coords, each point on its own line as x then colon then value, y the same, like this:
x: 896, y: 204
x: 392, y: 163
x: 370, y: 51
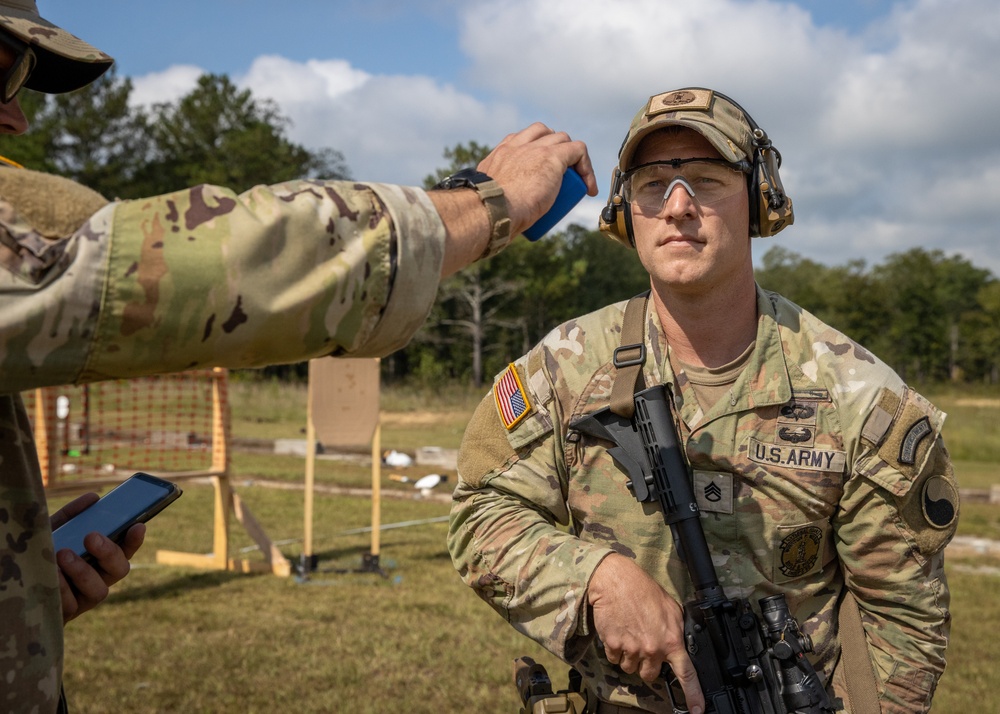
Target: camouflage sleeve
x: 899, y: 510
x: 508, y: 537
x: 206, y: 277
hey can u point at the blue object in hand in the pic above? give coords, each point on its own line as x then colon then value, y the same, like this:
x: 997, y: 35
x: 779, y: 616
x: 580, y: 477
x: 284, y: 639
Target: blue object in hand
x: 572, y: 190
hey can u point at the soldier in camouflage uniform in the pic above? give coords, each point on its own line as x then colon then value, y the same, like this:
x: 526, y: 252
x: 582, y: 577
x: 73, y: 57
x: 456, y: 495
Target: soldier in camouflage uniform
x: 91, y: 289
x: 819, y: 474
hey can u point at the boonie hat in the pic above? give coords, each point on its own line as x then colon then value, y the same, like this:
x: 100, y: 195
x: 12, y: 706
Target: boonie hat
x: 713, y: 116
x: 64, y: 61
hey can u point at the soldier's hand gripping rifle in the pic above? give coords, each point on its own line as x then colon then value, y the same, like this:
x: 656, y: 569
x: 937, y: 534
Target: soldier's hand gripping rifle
x: 746, y: 664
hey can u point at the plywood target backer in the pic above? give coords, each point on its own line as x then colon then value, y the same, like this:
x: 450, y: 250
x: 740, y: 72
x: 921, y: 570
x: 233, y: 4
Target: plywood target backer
x: 344, y: 396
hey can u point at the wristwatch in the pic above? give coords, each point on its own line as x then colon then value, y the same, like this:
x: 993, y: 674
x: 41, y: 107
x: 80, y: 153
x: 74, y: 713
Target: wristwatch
x: 492, y: 197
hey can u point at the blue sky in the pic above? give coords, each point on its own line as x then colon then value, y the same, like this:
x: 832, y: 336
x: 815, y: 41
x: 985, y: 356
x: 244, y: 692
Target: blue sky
x: 884, y: 111
x: 384, y: 35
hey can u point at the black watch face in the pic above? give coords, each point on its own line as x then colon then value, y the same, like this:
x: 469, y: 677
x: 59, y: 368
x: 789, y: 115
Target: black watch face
x: 466, y: 178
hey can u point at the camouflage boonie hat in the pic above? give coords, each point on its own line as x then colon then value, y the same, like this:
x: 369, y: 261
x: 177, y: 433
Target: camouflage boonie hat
x: 64, y: 62
x: 713, y: 116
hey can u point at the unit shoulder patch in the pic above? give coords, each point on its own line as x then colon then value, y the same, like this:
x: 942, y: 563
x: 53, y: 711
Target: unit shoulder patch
x: 511, y: 398
x: 939, y: 501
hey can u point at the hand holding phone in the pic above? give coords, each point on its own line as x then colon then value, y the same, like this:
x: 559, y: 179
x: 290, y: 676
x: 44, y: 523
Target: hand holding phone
x: 571, y: 192
x: 135, y: 500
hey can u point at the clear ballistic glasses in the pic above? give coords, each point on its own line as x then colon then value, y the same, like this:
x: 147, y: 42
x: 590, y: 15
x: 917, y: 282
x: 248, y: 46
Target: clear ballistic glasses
x: 15, y: 77
x: 646, y: 187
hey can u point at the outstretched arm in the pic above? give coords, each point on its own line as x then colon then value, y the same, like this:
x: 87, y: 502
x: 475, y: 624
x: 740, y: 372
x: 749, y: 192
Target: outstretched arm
x: 529, y: 166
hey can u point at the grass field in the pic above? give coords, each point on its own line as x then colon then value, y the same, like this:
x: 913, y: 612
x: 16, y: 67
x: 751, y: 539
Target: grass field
x: 182, y: 640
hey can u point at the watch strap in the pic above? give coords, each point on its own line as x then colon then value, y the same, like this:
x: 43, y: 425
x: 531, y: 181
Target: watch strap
x: 492, y: 197
x: 491, y: 194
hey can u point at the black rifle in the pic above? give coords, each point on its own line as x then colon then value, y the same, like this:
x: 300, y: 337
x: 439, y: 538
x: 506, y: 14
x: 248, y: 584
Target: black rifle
x: 746, y: 664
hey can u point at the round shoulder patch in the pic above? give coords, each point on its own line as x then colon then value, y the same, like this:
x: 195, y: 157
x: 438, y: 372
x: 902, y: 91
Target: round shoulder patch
x: 939, y: 500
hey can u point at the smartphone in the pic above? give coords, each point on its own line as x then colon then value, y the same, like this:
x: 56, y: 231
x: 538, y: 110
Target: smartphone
x: 135, y: 500
x: 572, y: 190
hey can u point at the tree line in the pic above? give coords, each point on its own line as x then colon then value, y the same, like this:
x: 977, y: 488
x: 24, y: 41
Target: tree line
x: 930, y: 316
x: 216, y: 134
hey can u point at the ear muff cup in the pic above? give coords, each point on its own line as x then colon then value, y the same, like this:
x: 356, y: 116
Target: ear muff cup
x: 615, y: 219
x: 616, y: 223
x: 771, y: 208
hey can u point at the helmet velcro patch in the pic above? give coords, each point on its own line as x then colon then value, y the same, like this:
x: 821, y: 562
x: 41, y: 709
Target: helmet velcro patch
x: 485, y: 448
x: 913, y: 432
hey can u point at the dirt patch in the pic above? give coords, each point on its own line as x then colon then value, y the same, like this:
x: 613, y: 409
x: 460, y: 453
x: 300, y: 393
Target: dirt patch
x: 970, y: 402
x: 422, y: 418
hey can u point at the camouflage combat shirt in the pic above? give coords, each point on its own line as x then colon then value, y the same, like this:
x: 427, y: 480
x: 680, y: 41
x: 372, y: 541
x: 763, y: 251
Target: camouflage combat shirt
x: 822, y: 471
x: 195, y: 278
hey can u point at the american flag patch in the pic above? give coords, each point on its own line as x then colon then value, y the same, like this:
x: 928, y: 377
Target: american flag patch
x: 512, y: 401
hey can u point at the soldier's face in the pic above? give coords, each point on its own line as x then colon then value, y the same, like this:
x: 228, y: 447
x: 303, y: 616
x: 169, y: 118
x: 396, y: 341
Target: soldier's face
x: 688, y: 246
x: 12, y: 119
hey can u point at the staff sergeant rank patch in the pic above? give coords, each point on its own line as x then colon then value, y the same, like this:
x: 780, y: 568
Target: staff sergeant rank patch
x: 511, y: 399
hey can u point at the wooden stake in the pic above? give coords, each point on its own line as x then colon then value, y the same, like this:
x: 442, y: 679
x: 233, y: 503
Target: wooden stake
x: 376, y: 489
x: 307, y: 547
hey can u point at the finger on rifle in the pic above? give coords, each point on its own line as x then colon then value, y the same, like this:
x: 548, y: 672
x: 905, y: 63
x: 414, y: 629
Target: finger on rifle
x: 687, y: 677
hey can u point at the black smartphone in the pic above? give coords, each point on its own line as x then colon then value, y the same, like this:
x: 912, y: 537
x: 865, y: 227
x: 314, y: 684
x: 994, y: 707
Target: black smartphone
x: 135, y: 500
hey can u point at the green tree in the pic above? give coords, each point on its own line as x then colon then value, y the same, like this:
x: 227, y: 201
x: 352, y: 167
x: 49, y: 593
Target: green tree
x: 925, y: 296
x: 216, y: 134
x: 91, y: 135
x: 799, y: 279
x: 611, y: 272
x: 981, y: 333
x: 31, y: 149
x: 222, y: 135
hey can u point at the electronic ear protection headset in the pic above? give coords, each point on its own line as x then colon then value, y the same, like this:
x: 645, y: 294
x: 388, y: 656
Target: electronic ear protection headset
x: 770, y: 207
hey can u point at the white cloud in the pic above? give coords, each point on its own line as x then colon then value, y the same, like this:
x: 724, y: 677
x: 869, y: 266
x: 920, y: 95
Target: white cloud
x: 390, y: 128
x: 167, y: 86
x: 289, y: 82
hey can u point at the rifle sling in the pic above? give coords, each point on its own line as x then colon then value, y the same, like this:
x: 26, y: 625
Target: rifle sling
x: 630, y: 356
x: 859, y: 674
